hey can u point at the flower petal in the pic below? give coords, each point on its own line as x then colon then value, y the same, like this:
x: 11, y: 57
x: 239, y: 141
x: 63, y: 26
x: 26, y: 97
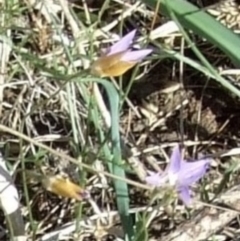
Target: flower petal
x: 184, y: 194
x: 110, y: 66
x: 63, y: 187
x: 175, y: 161
x: 156, y: 179
x: 135, y: 56
x: 123, y: 44
x: 191, y: 172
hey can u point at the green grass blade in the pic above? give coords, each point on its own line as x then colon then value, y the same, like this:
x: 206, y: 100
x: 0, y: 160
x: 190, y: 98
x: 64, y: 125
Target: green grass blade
x: 202, y: 24
x: 116, y: 167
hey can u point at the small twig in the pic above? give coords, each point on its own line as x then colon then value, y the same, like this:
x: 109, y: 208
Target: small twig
x: 68, y: 158
x: 69, y: 228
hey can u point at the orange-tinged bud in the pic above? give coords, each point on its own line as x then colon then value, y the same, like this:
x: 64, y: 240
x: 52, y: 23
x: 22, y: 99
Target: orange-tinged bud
x: 64, y: 187
x: 111, y: 65
x: 119, y: 58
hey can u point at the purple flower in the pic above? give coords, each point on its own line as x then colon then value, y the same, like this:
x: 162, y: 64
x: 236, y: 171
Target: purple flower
x: 123, y: 45
x: 180, y: 174
x: 119, y: 58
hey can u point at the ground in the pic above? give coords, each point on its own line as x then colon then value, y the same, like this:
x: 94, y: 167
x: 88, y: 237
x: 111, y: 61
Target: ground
x: 168, y: 103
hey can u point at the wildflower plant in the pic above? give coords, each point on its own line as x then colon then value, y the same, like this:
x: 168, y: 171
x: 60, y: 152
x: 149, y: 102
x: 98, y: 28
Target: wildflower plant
x: 119, y: 58
x: 180, y: 174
